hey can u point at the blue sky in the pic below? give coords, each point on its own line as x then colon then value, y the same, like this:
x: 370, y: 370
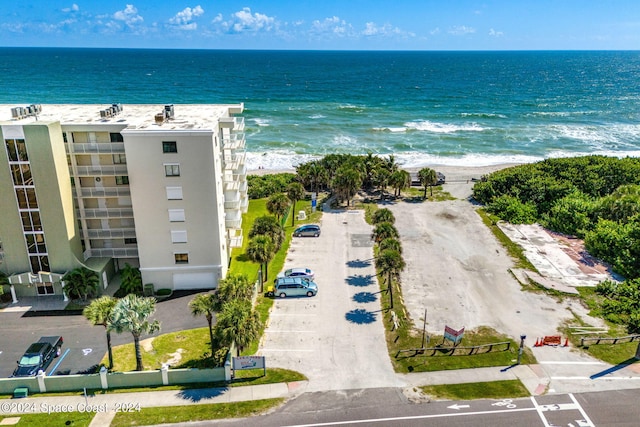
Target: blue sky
x: 324, y: 24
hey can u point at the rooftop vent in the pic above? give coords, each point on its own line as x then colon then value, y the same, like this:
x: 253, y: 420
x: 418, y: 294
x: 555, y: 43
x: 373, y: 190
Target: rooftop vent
x: 28, y: 111
x: 167, y: 113
x: 112, y: 111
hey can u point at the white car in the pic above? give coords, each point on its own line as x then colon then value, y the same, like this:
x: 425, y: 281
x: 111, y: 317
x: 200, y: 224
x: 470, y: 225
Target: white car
x: 305, y: 273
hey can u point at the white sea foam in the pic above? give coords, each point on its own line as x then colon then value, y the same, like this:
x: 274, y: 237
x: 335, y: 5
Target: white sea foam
x: 429, y: 126
x: 391, y: 129
x: 261, y: 122
x: 317, y: 116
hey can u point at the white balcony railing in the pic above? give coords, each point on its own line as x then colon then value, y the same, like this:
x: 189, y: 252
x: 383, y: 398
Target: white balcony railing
x: 105, y: 191
x: 234, y: 141
x: 105, y: 213
x: 114, y: 233
x: 233, y: 223
x: 101, y: 148
x: 100, y: 170
x: 232, y: 204
x: 111, y: 253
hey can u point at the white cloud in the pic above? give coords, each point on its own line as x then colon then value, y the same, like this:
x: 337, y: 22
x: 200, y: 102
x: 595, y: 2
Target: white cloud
x: 461, y: 30
x: 74, y: 8
x: 495, y: 33
x: 372, y: 29
x: 245, y: 21
x: 184, y: 19
x: 435, y: 31
x: 129, y: 15
x: 333, y: 25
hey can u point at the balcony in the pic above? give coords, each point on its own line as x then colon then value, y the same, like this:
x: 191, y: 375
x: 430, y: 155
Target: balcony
x: 232, y: 204
x: 236, y: 124
x: 105, y: 191
x: 111, y: 253
x: 235, y: 141
x: 234, y: 161
x: 113, y: 233
x: 235, y: 238
x: 101, y: 170
x: 105, y: 213
x: 98, y: 148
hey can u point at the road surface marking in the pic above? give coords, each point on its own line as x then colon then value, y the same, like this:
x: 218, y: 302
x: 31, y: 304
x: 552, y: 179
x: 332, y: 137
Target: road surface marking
x: 59, y: 361
x: 278, y: 349
x: 458, y: 407
x: 289, y: 332
x: 416, y: 417
x: 582, y: 412
x: 604, y: 377
x: 539, y: 411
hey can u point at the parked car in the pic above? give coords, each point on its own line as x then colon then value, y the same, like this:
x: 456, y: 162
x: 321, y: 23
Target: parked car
x: 294, y: 287
x: 38, y: 356
x: 307, y: 230
x: 305, y: 273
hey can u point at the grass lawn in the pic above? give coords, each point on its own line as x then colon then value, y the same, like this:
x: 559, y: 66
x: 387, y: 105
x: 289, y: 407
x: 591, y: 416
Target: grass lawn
x: 470, y: 391
x: 79, y: 419
x: 183, y: 414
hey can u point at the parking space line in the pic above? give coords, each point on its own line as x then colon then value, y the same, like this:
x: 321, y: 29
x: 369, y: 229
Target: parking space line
x: 582, y: 412
x: 59, y: 362
x: 290, y: 332
x: 283, y: 350
x: 538, y: 409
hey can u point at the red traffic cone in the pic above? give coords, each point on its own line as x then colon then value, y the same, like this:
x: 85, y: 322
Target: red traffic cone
x: 566, y: 342
x: 537, y: 344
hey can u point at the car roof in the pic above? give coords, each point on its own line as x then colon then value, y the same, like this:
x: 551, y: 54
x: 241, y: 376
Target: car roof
x: 298, y: 270
x: 309, y: 226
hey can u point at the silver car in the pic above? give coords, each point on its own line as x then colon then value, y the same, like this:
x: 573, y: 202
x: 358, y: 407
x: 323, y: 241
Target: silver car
x: 307, y: 230
x: 305, y: 273
x: 294, y: 287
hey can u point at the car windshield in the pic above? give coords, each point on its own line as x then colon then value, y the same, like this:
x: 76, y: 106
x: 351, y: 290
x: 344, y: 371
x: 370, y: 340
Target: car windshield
x: 29, y: 361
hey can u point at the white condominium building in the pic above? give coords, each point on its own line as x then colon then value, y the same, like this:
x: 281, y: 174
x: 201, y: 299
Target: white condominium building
x: 160, y: 187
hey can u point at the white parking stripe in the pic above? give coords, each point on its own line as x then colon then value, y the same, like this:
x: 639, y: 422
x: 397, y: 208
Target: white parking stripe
x: 550, y: 362
x: 281, y: 350
x: 538, y: 409
x: 584, y: 414
x: 289, y: 332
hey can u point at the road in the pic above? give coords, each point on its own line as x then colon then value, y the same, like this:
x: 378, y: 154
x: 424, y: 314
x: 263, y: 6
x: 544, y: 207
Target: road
x: 389, y: 407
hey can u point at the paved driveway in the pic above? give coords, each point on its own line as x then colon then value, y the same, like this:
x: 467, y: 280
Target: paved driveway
x: 337, y: 337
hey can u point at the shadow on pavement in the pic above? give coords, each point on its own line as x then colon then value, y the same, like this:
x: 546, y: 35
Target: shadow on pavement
x: 613, y: 369
x: 360, y: 316
x: 364, y: 297
x: 196, y: 395
x: 359, y: 263
x: 359, y: 280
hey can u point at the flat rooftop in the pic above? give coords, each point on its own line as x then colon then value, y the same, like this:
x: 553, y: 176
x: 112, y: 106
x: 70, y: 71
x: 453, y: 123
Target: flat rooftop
x: 132, y: 116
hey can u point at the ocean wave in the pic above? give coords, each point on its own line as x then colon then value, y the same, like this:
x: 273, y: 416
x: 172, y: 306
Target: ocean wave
x: 261, y: 122
x: 484, y: 115
x: 391, y: 129
x: 317, y: 116
x: 435, y: 127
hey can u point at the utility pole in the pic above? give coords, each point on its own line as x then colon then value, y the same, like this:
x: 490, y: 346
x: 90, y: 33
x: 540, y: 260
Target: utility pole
x: 521, y: 349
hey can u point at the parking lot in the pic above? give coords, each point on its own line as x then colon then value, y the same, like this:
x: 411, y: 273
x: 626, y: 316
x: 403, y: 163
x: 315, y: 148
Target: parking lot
x: 335, y: 338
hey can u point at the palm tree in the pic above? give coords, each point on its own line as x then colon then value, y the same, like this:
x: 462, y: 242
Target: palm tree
x: 428, y: 178
x: 268, y: 225
x: 381, y: 179
x: 318, y: 176
x: 131, y: 280
x: 99, y: 313
x: 390, y: 243
x: 399, y: 180
x: 81, y: 283
x: 260, y: 250
x: 131, y: 314
x: 346, y: 183
x: 239, y: 323
x: 295, y: 191
x: 383, y: 215
x: 390, y: 263
x: 278, y: 204
x: 233, y: 287
x: 205, y: 305
x: 384, y: 230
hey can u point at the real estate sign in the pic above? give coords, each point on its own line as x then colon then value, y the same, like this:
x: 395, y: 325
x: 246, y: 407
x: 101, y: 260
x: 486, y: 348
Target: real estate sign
x: 248, y: 362
x: 453, y: 335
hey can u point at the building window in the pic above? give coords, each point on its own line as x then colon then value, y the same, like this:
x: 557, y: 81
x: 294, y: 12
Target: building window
x: 130, y: 241
x: 122, y: 180
x: 181, y: 258
x: 169, y: 147
x: 174, y: 193
x: 116, y: 137
x: 172, y: 170
x: 176, y: 215
x: 179, y: 236
x: 119, y: 159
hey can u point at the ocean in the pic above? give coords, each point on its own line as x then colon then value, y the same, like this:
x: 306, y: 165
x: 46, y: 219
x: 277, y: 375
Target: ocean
x: 425, y: 108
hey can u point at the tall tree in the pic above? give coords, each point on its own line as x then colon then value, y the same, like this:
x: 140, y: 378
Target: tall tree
x: 205, y: 305
x: 346, y: 183
x: 428, y: 178
x: 278, y: 204
x: 239, y: 323
x: 81, y: 283
x: 399, y: 180
x: 131, y: 314
x: 390, y: 243
x: 390, y: 263
x: 99, y: 313
x: 268, y: 225
x: 233, y: 287
x: 295, y: 192
x: 261, y: 250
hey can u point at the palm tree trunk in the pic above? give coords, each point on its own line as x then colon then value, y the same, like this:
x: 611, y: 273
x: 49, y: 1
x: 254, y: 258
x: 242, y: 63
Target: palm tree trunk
x: 109, y: 350
x: 266, y: 271
x: 390, y: 285
x: 136, y: 343
x: 293, y: 213
x: 210, y: 322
